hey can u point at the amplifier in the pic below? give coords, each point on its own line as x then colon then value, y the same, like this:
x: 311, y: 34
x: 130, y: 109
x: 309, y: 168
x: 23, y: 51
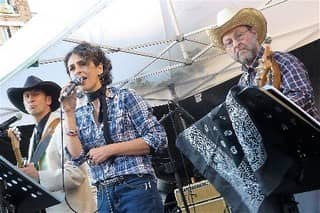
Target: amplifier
x: 197, y: 192
x: 201, y: 197
x: 211, y: 206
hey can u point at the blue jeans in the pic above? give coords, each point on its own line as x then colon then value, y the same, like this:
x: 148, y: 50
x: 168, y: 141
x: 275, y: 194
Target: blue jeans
x: 130, y: 194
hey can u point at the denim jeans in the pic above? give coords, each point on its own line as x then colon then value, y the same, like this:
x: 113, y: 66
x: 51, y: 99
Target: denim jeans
x: 134, y: 193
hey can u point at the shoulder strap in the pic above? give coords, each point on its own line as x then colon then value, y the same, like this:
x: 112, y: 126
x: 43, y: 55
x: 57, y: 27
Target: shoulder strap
x: 51, y: 128
x: 44, y: 142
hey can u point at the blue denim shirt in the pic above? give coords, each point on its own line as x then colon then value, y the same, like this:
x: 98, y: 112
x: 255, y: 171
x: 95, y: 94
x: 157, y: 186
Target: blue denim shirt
x: 129, y: 117
x: 295, y: 82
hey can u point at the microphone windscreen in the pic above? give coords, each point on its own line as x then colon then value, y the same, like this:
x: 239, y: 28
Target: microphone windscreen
x: 18, y: 116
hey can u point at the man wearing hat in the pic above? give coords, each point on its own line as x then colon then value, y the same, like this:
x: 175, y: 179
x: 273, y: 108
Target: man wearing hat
x: 240, y: 33
x: 40, y: 99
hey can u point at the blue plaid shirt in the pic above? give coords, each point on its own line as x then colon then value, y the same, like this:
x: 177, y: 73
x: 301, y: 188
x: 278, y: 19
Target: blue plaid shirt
x: 295, y: 83
x: 129, y: 117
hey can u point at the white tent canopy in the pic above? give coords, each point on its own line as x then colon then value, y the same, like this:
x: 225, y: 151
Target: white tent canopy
x: 160, y: 48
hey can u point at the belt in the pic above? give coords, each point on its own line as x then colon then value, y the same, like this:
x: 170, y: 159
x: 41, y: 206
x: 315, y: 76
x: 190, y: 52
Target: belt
x: 120, y: 179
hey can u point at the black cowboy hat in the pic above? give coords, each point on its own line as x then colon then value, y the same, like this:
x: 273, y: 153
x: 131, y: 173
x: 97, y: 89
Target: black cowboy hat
x: 50, y: 88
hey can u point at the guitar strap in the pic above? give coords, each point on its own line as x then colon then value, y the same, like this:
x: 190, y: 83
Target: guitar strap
x: 44, y: 142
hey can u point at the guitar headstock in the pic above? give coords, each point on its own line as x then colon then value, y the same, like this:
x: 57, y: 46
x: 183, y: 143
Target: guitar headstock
x: 15, y: 135
x: 268, y: 40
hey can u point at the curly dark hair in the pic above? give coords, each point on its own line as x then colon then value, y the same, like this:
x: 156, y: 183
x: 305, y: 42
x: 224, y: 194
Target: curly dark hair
x: 90, y: 52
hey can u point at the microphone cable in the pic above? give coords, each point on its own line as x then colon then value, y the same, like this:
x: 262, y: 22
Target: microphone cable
x: 62, y: 162
x: 62, y: 167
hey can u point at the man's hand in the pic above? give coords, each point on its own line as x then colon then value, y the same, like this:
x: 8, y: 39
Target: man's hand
x: 31, y: 171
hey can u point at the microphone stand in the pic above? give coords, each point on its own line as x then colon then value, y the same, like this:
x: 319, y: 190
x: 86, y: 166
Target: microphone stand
x: 184, y: 112
x: 176, y: 118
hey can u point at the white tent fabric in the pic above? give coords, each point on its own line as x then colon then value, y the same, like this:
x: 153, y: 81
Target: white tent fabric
x: 158, y: 47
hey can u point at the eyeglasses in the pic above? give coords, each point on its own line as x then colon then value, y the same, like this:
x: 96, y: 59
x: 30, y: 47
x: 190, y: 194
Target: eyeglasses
x: 238, y: 36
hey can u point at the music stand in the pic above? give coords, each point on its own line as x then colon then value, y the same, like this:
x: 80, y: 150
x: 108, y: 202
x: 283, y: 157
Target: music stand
x: 298, y: 133
x: 21, y: 191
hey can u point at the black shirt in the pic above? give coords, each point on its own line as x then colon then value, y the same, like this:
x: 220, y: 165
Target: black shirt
x: 39, y: 130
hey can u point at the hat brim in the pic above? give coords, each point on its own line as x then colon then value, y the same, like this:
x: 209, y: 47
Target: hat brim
x: 52, y: 89
x: 247, y: 16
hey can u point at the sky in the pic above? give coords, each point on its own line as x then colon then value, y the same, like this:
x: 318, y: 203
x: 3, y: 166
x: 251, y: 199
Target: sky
x: 37, y: 6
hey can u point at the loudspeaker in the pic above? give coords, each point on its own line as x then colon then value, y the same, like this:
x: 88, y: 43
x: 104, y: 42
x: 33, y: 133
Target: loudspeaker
x: 201, y: 197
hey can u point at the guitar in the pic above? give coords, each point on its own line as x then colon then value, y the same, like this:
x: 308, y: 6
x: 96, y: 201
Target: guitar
x: 14, y: 135
x: 270, y: 74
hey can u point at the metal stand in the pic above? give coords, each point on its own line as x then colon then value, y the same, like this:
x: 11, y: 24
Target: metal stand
x: 290, y: 140
x: 20, y: 193
x: 176, y: 116
x: 3, y: 203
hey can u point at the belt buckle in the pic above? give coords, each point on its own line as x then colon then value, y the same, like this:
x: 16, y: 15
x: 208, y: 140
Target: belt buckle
x: 110, y: 181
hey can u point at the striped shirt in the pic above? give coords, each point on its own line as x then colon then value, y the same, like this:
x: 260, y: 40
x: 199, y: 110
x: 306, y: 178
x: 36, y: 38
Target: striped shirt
x: 129, y: 117
x: 295, y: 83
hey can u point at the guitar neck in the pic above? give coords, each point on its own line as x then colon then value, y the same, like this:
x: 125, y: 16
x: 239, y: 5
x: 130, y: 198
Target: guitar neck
x: 15, y: 143
x: 18, y: 156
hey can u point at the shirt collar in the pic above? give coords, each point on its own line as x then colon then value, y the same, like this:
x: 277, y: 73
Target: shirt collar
x: 110, y: 93
x: 40, y: 126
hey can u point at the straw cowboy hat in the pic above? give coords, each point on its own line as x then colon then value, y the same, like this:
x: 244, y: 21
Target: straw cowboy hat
x: 227, y: 19
x: 50, y: 88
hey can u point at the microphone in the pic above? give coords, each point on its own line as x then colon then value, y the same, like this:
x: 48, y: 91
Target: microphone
x: 183, y: 111
x: 75, y: 82
x: 6, y: 124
